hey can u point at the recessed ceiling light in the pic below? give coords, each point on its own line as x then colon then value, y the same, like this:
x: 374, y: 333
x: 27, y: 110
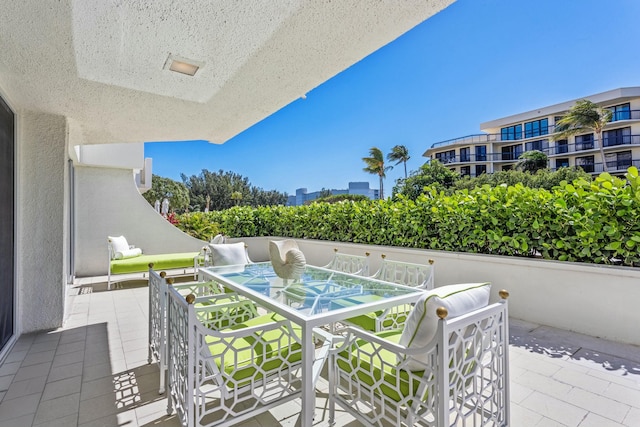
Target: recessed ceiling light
x: 182, y: 65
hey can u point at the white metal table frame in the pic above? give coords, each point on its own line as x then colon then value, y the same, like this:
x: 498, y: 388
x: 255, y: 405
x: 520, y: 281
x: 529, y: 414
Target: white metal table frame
x: 309, y: 322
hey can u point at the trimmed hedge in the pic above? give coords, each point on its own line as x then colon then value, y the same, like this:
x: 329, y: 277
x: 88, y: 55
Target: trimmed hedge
x: 587, y: 221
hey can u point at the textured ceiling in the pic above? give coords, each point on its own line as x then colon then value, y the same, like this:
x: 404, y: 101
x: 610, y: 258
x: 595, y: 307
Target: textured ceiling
x: 102, y: 62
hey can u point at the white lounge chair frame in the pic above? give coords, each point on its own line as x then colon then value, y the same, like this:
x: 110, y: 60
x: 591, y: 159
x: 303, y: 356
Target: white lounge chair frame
x: 352, y: 264
x: 465, y: 383
x: 204, y: 395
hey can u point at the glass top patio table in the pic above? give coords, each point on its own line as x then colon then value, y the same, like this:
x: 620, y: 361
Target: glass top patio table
x: 319, y: 294
x: 319, y: 297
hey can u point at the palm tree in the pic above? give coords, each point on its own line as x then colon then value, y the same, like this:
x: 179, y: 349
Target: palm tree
x: 532, y: 161
x: 399, y: 154
x: 236, y: 196
x: 584, y: 116
x: 375, y: 165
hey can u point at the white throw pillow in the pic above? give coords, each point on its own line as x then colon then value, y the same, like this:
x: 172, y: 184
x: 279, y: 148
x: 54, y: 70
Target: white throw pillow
x: 229, y: 254
x: 129, y: 253
x: 422, y: 323
x: 118, y: 244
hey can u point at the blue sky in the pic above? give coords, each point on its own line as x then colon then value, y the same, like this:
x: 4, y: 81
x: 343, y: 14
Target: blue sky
x: 476, y: 61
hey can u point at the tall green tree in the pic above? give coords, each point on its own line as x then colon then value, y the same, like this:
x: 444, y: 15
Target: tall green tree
x: 432, y: 174
x: 532, y: 161
x: 583, y: 117
x: 375, y: 165
x: 399, y: 154
x: 174, y: 191
x: 216, y: 189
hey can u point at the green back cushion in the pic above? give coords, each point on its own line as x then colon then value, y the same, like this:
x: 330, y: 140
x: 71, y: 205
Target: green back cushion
x: 421, y: 325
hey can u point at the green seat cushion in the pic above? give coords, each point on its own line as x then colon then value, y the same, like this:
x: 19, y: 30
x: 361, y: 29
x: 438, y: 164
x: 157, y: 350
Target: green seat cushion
x: 390, y: 380
x: 266, y: 351
x: 366, y: 321
x: 160, y: 262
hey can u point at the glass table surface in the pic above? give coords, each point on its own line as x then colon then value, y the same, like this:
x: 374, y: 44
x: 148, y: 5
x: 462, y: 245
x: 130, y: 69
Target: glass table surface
x: 317, y: 291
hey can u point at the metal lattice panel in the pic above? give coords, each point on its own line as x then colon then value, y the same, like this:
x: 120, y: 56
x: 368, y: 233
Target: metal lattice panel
x: 180, y: 389
x: 405, y: 273
x: 220, y: 377
x: 352, y: 264
x: 464, y: 382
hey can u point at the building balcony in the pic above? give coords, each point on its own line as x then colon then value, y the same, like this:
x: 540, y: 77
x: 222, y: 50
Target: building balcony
x: 470, y: 158
x: 481, y: 138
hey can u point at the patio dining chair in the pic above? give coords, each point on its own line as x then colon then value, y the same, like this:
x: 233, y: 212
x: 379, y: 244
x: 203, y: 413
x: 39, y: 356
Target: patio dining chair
x: 231, y: 309
x: 447, y: 366
x: 402, y: 273
x: 352, y: 264
x: 223, y: 376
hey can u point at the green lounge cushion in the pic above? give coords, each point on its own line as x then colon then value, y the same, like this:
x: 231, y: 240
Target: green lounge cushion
x: 160, y: 262
x: 265, y: 350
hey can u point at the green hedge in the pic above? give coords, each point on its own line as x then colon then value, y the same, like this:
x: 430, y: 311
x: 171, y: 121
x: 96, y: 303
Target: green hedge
x: 587, y: 221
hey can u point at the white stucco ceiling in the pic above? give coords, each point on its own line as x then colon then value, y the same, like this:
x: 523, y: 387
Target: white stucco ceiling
x: 102, y: 62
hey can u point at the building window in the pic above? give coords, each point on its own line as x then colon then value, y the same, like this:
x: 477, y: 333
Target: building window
x: 465, y: 171
x: 616, y: 137
x: 536, y: 128
x: 586, y: 163
x: 621, y: 112
x: 617, y: 161
x: 465, y: 154
x: 507, y: 167
x: 584, y: 142
x: 480, y: 169
x: 562, y: 163
x: 540, y: 145
x: 446, y: 156
x: 511, y: 152
x: 511, y: 133
x: 481, y: 153
x: 562, y: 146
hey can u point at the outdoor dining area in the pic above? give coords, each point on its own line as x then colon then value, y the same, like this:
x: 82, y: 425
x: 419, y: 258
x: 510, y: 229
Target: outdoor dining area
x: 245, y: 338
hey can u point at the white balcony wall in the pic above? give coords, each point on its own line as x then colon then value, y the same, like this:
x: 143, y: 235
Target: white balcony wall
x: 596, y: 300
x: 42, y: 245
x: 126, y: 156
x: 109, y: 204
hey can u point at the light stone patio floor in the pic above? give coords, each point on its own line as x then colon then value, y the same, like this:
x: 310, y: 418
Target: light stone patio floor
x: 94, y: 372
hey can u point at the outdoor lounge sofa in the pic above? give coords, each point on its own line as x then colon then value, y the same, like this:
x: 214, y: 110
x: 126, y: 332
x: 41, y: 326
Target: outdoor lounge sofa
x: 124, y: 259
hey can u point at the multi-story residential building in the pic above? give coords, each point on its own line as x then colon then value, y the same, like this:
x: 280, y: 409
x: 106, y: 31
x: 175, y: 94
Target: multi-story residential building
x: 504, y: 140
x: 303, y: 196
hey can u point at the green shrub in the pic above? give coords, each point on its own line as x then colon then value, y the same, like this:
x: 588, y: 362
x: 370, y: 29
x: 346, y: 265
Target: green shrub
x: 335, y: 198
x: 595, y: 221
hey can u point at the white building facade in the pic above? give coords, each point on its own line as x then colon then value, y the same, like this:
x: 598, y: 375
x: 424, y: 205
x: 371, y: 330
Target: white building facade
x: 504, y: 140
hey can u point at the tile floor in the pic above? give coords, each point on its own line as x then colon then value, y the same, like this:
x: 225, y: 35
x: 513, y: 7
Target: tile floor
x: 94, y: 372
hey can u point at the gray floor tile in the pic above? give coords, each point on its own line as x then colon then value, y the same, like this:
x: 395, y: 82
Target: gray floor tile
x: 54, y: 409
x: 62, y: 388
x: 26, y: 387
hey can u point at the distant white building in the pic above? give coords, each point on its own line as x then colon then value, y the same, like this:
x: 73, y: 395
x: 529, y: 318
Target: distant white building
x: 361, y: 188
x: 506, y: 139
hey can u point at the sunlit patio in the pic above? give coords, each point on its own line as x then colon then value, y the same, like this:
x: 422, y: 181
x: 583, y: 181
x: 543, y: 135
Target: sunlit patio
x: 94, y: 372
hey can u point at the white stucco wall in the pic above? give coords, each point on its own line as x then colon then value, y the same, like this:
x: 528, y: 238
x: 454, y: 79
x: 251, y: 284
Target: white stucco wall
x: 596, y: 300
x: 41, y: 221
x: 108, y: 204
